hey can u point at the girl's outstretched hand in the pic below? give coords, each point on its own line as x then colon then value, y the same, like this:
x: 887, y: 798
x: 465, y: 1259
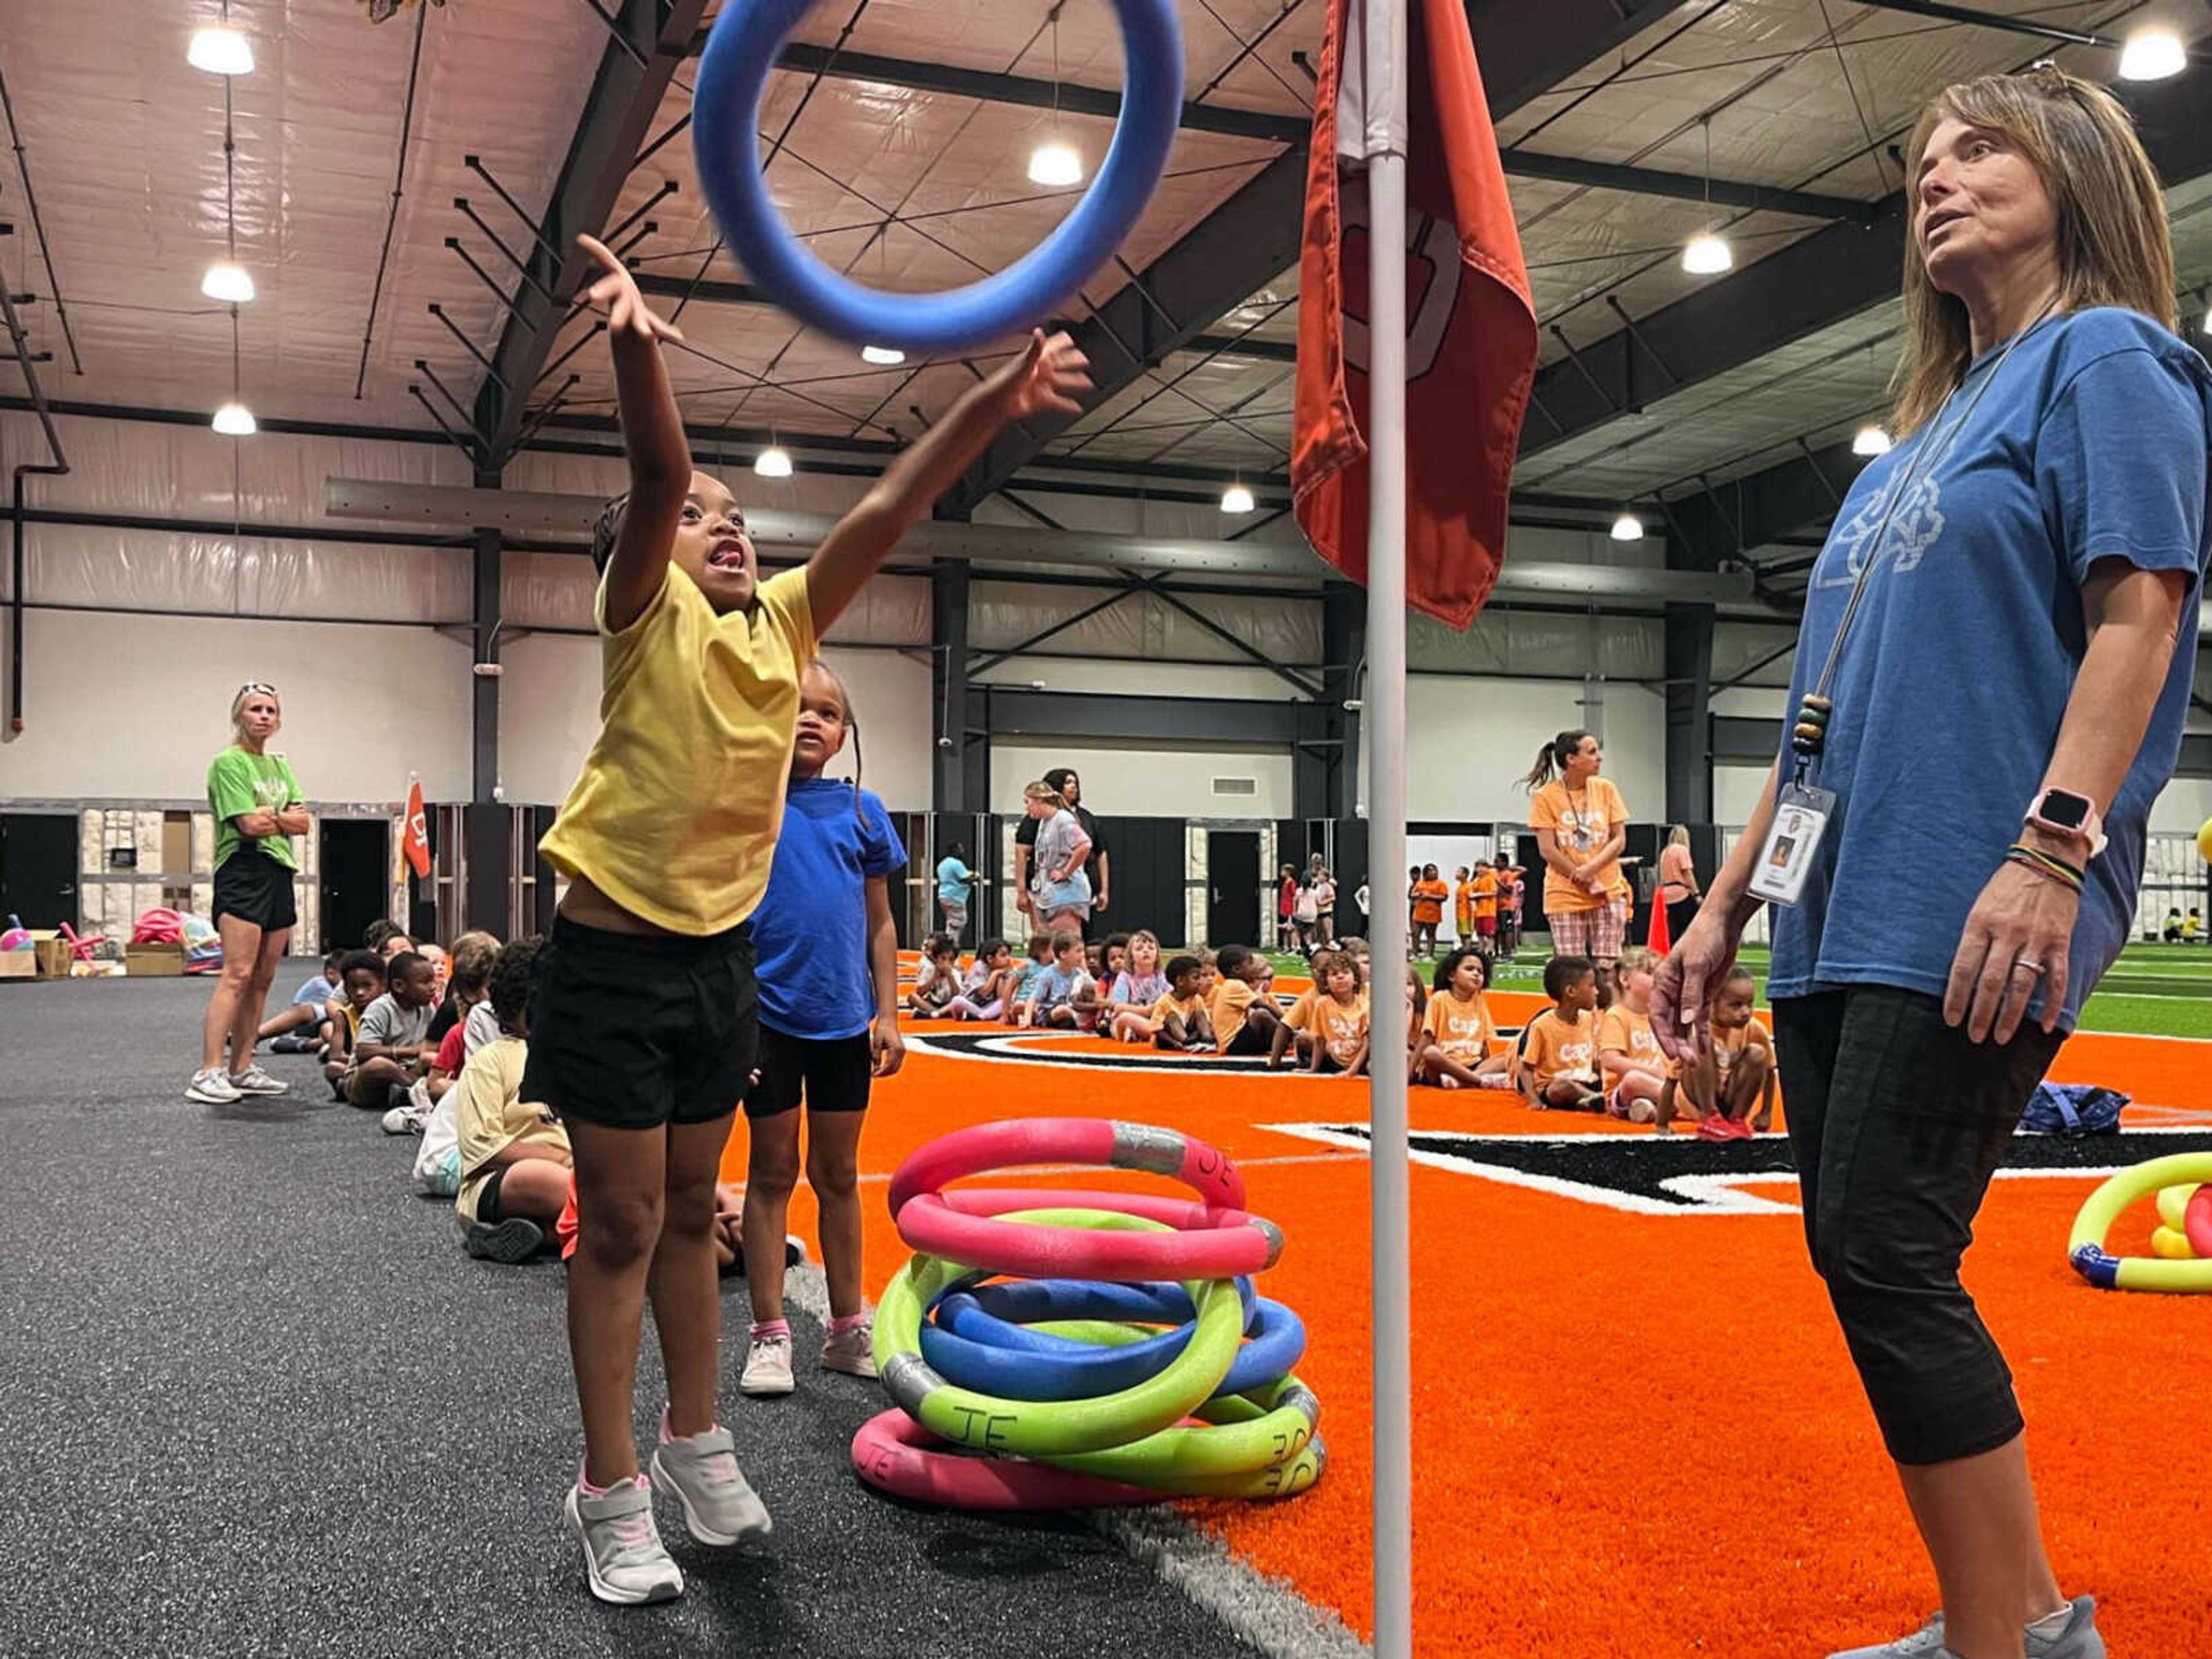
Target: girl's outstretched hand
x: 615, y: 292
x: 1047, y: 376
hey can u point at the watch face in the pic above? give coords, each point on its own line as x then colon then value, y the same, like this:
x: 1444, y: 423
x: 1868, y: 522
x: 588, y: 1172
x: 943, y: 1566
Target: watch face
x: 2071, y: 811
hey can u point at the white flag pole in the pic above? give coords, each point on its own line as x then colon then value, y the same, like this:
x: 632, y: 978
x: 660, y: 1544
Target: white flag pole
x: 1388, y: 1165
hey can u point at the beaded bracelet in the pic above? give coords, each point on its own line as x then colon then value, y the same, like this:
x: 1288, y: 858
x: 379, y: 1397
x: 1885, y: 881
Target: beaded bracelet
x: 2045, y: 865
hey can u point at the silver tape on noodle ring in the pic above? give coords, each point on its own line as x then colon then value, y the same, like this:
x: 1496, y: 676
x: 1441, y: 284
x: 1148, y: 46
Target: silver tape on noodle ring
x: 1144, y: 1146
x: 1274, y: 1237
x: 909, y: 1381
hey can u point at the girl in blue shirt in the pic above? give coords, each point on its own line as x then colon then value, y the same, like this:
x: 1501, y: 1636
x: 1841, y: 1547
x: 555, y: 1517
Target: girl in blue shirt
x: 827, y: 971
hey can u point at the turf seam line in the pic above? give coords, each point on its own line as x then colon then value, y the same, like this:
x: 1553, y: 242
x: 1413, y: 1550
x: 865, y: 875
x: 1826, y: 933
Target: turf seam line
x: 1263, y: 1610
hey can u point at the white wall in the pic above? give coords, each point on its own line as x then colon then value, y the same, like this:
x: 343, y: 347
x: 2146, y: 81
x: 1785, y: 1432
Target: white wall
x: 134, y: 708
x: 1469, y: 742
x: 1129, y: 780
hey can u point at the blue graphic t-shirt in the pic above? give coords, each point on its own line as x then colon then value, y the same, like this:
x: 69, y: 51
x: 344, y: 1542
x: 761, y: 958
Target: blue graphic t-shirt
x: 952, y: 879
x: 2090, y: 445
x: 810, y: 933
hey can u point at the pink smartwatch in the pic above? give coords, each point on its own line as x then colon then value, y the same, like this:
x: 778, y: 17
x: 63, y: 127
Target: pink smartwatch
x: 2063, y: 812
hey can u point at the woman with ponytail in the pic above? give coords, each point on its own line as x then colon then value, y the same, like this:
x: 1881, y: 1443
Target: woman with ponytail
x: 1581, y: 823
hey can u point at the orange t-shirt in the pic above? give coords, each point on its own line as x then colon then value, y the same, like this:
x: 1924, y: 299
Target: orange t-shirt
x: 1342, y: 1031
x: 1170, y: 1004
x: 1429, y: 898
x: 1485, y: 895
x: 1232, y: 1001
x: 1462, y: 1029
x: 1582, y: 820
x: 1300, y: 1016
x: 1553, y: 1048
x: 1621, y: 1027
x: 1463, y: 902
x: 1729, y: 1047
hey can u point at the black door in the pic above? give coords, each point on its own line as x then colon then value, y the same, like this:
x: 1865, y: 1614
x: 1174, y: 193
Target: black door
x: 1232, y: 878
x: 354, y: 854
x: 1147, y: 884
x: 38, y: 868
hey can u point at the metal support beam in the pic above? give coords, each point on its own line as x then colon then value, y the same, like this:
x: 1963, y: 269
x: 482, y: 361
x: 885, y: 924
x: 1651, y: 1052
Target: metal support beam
x: 1989, y: 20
x: 1683, y: 187
x: 1325, y: 777
x: 650, y: 38
x: 948, y: 689
x: 1689, y: 666
x: 484, y: 618
x: 1753, y: 511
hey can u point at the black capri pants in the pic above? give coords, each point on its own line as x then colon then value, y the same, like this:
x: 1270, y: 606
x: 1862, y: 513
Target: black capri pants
x: 1898, y: 1122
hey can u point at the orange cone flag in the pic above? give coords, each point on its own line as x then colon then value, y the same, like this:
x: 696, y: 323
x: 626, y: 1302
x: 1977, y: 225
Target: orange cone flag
x: 416, y: 841
x: 1470, y: 328
x: 1658, y: 938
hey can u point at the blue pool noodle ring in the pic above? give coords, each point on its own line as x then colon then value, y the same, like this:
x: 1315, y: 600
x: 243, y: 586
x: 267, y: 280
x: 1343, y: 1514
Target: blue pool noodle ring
x: 742, y: 47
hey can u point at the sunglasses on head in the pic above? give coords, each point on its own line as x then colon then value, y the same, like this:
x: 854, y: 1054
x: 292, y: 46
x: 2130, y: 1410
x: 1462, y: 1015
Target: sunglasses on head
x: 262, y: 688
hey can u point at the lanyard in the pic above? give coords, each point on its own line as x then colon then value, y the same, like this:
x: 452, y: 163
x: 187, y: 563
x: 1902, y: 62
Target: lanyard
x: 1810, y: 733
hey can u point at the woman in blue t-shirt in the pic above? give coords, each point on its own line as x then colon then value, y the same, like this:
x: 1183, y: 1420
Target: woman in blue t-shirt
x: 1992, y: 677
x: 827, y: 966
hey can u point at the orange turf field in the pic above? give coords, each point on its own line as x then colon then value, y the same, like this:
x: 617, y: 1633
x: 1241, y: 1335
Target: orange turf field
x: 1640, y: 1433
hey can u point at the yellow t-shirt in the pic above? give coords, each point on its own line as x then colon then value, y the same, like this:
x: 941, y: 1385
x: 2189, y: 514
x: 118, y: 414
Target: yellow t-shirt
x: 1553, y: 1048
x: 1621, y: 1027
x: 1232, y: 1002
x: 1300, y: 1016
x: 1343, y: 1030
x: 1462, y: 1029
x: 1582, y: 821
x: 675, y: 814
x: 1170, y: 1004
x: 491, y: 1116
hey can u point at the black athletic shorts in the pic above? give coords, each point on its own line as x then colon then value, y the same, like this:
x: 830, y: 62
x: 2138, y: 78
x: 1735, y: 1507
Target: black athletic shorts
x: 634, y: 1031
x: 833, y: 1072
x: 488, y: 1210
x: 254, y: 887
x: 1250, y: 1040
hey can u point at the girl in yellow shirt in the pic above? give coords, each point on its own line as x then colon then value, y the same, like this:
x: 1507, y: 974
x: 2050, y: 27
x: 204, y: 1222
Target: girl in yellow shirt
x: 1340, y: 1017
x: 1639, y: 1080
x: 1461, y: 1048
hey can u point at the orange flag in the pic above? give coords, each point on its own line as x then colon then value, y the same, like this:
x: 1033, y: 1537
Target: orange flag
x: 417, y: 844
x: 1470, y: 324
x: 1658, y: 938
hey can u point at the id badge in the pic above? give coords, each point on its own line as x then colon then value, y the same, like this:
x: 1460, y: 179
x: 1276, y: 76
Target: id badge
x: 1801, y: 818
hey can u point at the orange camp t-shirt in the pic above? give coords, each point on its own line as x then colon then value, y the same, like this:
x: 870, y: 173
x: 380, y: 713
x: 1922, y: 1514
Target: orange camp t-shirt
x: 1582, y: 820
x: 1729, y: 1047
x: 1170, y: 1004
x: 1232, y: 1003
x: 1551, y: 1047
x: 1429, y: 898
x: 1343, y: 1030
x: 1462, y: 1029
x: 1463, y: 905
x: 1485, y: 895
x: 1621, y: 1027
x: 1300, y: 1016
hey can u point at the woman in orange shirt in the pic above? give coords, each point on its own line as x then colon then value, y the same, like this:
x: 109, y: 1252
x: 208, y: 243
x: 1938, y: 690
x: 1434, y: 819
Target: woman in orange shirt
x: 1581, y: 823
x: 1429, y: 894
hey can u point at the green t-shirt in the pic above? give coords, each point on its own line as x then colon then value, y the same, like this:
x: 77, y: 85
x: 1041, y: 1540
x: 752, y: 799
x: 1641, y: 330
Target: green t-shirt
x: 239, y: 781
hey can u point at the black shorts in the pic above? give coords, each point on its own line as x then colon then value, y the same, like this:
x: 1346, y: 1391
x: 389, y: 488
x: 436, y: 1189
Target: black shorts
x: 634, y: 1031
x: 256, y: 888
x: 834, y: 1073
x: 488, y: 1210
x: 1250, y: 1040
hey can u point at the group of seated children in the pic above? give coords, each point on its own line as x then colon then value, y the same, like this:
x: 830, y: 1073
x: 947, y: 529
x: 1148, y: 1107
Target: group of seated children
x: 1573, y: 1058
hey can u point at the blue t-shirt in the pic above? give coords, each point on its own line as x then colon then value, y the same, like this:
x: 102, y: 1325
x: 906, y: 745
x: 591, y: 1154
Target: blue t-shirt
x: 810, y: 933
x: 2090, y: 446
x: 317, y: 990
x: 1053, y: 988
x: 952, y: 879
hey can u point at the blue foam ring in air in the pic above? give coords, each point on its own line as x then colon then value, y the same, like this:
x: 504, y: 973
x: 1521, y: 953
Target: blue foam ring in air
x: 969, y: 1346
x: 743, y: 45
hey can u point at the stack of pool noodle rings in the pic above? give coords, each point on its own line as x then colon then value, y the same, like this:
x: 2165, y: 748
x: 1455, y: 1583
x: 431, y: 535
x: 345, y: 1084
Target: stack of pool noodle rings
x: 2181, y: 1243
x: 1074, y: 1349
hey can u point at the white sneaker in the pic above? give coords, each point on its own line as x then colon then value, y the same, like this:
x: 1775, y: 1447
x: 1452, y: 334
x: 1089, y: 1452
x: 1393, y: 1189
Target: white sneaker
x: 212, y: 1088
x: 622, y: 1551
x: 255, y: 1081
x: 403, y: 1121
x: 768, y: 1367
x: 852, y: 1350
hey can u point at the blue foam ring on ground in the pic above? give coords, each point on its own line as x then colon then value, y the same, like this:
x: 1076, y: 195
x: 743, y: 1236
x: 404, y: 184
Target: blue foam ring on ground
x: 742, y: 47
x: 967, y: 1346
x: 2100, y: 1268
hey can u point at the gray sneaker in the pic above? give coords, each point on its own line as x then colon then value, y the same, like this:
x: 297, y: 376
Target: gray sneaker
x: 700, y: 1472
x: 255, y: 1081
x: 2077, y: 1638
x: 621, y: 1547
x: 212, y: 1088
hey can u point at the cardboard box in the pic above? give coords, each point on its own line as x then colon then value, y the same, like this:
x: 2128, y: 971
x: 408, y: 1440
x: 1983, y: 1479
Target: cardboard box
x: 19, y: 964
x: 54, y: 955
x: 155, y: 962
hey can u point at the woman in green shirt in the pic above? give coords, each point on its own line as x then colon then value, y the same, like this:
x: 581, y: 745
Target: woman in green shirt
x: 257, y: 805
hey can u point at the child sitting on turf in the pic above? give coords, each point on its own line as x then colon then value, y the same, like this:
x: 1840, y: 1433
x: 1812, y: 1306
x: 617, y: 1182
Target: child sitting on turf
x: 391, y: 1049
x: 1459, y: 1046
x: 474, y: 953
x: 1244, y: 1020
x: 1139, y: 985
x: 361, y: 978
x: 1558, y: 1066
x: 937, y: 980
x: 298, y: 1029
x: 1053, y: 991
x: 1639, y: 1080
x: 1340, y: 1018
x: 514, y: 1157
x: 985, y: 993
x: 1293, y: 1038
x: 1722, y: 1089
x: 1038, y: 958
x: 432, y: 1094
x: 1179, y: 1020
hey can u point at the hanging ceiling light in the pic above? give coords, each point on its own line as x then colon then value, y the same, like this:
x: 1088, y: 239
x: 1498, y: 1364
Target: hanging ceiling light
x: 884, y: 355
x: 1706, y: 255
x: 1870, y: 440
x: 2153, y: 54
x: 1055, y: 164
x: 234, y: 420
x: 774, y: 462
x: 1237, y: 499
x: 220, y: 50
x: 231, y: 283
x: 1627, y: 528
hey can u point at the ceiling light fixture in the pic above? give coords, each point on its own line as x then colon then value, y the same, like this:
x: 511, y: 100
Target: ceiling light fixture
x: 231, y: 283
x: 220, y: 50
x: 1055, y: 163
x: 234, y: 420
x: 1870, y: 440
x: 2153, y: 54
x: 1706, y: 254
x: 1627, y: 528
x: 884, y: 355
x: 774, y: 462
x: 1237, y: 499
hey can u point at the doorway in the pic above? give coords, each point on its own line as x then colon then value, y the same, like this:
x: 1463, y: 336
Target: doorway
x: 356, y: 855
x: 38, y: 868
x: 1232, y: 887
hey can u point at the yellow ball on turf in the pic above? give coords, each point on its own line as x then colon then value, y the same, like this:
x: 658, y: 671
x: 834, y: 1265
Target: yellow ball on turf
x: 2204, y: 840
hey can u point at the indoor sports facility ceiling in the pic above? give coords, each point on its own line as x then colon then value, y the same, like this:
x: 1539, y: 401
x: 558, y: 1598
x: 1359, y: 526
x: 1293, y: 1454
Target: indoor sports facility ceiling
x: 380, y: 177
